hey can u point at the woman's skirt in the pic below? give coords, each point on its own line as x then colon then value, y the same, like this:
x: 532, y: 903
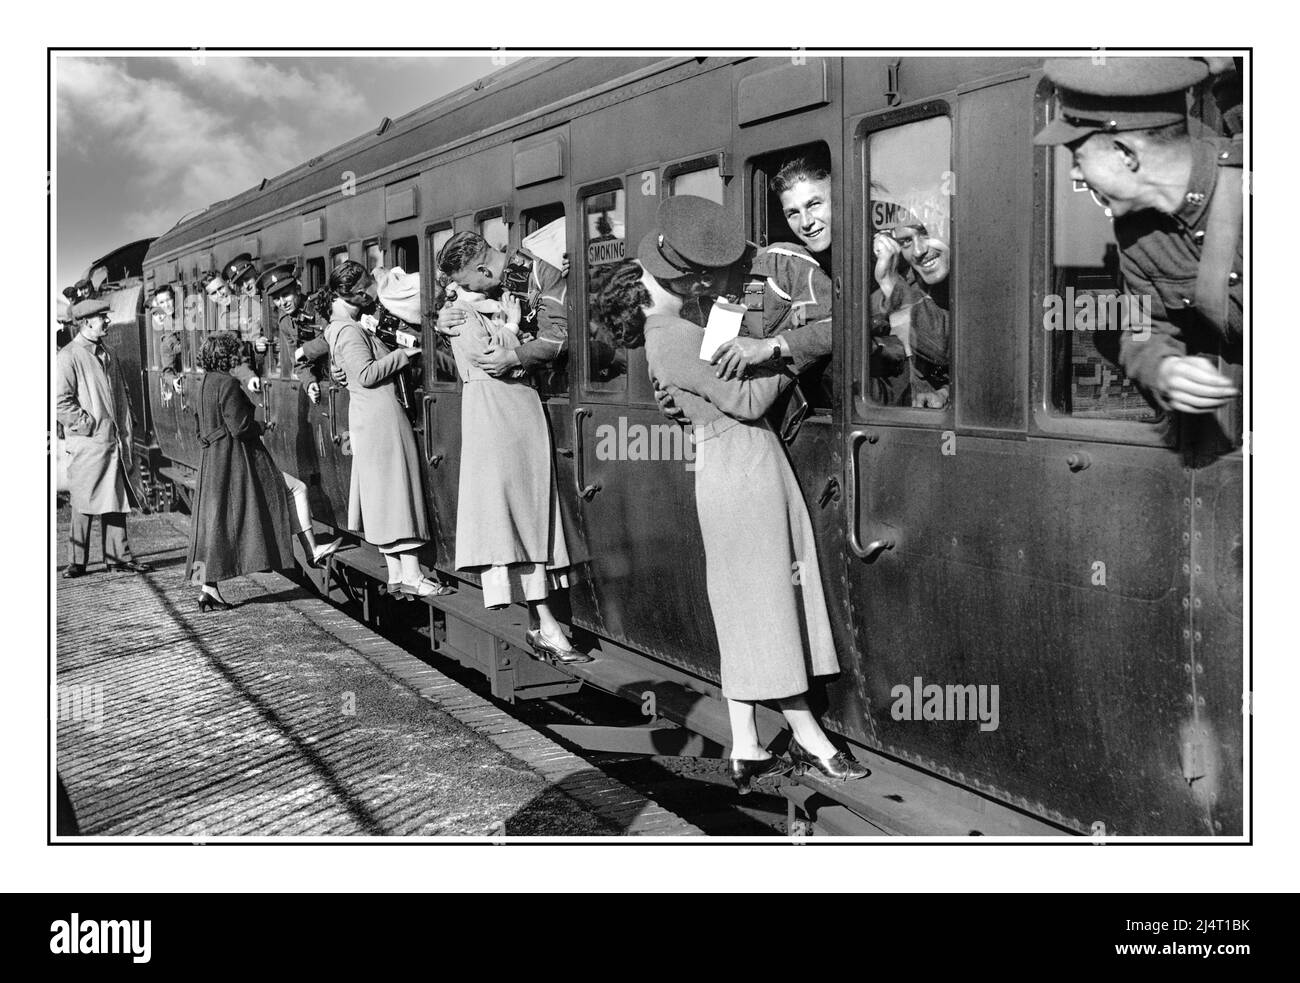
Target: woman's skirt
x: 764, y: 584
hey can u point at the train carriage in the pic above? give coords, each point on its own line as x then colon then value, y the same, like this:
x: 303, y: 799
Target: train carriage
x: 1046, y: 537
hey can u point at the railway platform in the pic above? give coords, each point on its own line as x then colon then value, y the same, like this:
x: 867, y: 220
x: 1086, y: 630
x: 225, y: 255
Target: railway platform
x: 284, y: 717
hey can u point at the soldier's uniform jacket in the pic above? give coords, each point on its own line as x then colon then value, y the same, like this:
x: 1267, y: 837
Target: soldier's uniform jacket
x: 546, y: 307
x: 304, y: 329
x: 1160, y: 257
x: 785, y: 276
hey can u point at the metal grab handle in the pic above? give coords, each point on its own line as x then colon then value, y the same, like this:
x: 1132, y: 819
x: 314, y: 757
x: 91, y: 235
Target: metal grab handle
x: 268, y: 408
x: 585, y: 491
x: 184, y: 403
x: 429, y: 456
x: 334, y: 434
x: 877, y: 546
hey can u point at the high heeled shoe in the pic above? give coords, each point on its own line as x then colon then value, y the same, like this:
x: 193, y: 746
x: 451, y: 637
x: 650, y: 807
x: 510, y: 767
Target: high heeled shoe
x: 206, y: 601
x: 745, y: 770
x: 839, y: 767
x: 548, y: 651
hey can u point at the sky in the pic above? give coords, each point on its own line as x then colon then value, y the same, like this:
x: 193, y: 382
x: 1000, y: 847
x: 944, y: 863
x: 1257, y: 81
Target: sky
x: 142, y: 141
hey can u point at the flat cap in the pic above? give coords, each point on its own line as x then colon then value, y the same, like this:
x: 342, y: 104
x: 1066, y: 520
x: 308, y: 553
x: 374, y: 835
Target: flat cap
x: 88, y: 308
x: 238, y: 268
x: 691, y: 235
x: 1118, y: 94
x: 277, y: 278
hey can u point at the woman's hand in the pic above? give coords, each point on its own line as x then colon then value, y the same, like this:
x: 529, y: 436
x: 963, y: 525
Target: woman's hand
x: 511, y: 309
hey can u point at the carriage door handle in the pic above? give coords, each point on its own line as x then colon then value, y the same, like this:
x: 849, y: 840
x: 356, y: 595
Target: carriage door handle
x: 877, y: 546
x: 334, y: 435
x: 433, y: 459
x: 268, y: 408
x: 585, y: 491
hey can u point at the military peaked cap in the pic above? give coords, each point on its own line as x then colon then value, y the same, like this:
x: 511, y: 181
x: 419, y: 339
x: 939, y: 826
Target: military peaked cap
x: 691, y: 235
x: 1116, y: 94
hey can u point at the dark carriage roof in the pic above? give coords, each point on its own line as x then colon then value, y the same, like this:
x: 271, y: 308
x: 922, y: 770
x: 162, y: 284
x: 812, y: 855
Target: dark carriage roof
x: 510, y: 93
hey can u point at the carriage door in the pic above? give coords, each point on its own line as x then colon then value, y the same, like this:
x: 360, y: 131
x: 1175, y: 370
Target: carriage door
x: 540, y: 168
x: 438, y: 439
x: 633, y: 472
x: 788, y: 109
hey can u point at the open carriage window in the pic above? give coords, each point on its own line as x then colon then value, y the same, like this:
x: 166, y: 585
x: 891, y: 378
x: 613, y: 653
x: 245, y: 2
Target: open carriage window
x: 1084, y: 311
x: 406, y: 253
x: 790, y: 286
x: 543, y: 235
x: 443, y: 362
x: 904, y: 355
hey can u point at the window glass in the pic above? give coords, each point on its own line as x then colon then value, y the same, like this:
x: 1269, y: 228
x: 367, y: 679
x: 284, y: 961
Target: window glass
x: 705, y: 183
x: 437, y: 240
x: 905, y: 356
x: 374, y: 254
x: 1084, y: 311
x: 338, y: 256
x: 495, y: 231
x: 604, y: 241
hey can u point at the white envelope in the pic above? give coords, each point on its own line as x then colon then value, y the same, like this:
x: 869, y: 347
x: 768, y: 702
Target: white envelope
x: 724, y: 324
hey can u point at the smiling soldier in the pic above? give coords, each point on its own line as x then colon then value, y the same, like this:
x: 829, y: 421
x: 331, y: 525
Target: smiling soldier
x: 1177, y: 204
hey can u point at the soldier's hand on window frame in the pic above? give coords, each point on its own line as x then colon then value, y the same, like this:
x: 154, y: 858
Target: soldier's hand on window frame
x: 1192, y: 384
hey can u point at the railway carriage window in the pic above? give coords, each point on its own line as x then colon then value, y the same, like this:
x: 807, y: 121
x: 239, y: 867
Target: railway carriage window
x: 904, y: 357
x: 406, y: 253
x: 374, y: 250
x: 496, y: 231
x: 789, y: 284
x: 706, y: 183
x: 338, y: 256
x: 1084, y: 310
x: 195, y: 316
x: 554, y: 381
x: 605, y: 244
x: 444, y: 362
x: 314, y: 274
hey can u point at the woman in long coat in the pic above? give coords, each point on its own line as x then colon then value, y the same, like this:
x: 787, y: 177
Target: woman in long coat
x: 240, y: 521
x: 508, y: 526
x: 386, y: 497
x: 761, y: 572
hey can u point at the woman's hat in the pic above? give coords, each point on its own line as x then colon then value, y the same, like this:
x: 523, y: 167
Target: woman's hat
x: 399, y: 292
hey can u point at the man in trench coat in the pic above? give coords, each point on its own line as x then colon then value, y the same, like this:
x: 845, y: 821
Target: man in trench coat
x: 92, y: 406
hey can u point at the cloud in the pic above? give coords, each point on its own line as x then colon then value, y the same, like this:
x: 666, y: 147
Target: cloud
x: 187, y: 132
